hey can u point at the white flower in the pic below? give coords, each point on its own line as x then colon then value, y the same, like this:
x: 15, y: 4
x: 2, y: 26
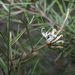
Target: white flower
x: 44, y: 33
x: 51, y: 37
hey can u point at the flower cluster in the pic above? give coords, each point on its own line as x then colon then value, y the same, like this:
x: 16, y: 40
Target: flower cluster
x: 51, y: 37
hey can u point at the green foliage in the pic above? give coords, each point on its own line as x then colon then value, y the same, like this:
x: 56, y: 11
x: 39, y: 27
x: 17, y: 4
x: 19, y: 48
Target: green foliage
x: 22, y: 47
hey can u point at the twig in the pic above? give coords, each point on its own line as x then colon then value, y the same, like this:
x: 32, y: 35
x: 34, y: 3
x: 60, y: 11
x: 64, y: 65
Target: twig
x: 62, y: 26
x: 40, y: 24
x: 24, y: 9
x: 45, y: 45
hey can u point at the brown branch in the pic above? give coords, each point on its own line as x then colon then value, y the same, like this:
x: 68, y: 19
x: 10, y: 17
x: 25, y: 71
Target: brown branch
x: 45, y: 45
x: 26, y: 10
x: 13, y: 62
x: 23, y: 57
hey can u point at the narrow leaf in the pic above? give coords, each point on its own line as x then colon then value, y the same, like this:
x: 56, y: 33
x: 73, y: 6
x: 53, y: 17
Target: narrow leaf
x: 18, y: 36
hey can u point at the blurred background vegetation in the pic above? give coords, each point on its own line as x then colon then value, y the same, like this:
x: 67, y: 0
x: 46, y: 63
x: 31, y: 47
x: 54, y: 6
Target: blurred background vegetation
x: 24, y: 19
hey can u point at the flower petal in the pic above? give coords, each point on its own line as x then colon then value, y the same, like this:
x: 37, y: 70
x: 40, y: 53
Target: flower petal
x: 48, y: 41
x: 44, y: 33
x: 54, y: 31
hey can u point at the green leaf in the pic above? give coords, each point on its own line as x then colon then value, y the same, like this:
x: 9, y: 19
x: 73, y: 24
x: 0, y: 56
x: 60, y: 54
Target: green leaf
x: 18, y: 36
x: 61, y: 54
x: 2, y: 63
x: 60, y: 7
x: 28, y: 32
x: 3, y: 53
x: 34, y: 67
x: 53, y: 2
x: 68, y: 53
x: 3, y: 37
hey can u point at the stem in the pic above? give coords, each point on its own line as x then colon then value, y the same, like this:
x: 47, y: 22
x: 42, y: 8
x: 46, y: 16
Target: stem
x: 45, y: 45
x: 28, y: 33
x: 62, y: 26
x: 23, y: 9
x: 9, y: 44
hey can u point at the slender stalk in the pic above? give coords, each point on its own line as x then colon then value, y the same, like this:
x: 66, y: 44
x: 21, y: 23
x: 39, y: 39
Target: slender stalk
x: 9, y: 44
x: 62, y: 26
x: 28, y: 33
x: 45, y: 45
